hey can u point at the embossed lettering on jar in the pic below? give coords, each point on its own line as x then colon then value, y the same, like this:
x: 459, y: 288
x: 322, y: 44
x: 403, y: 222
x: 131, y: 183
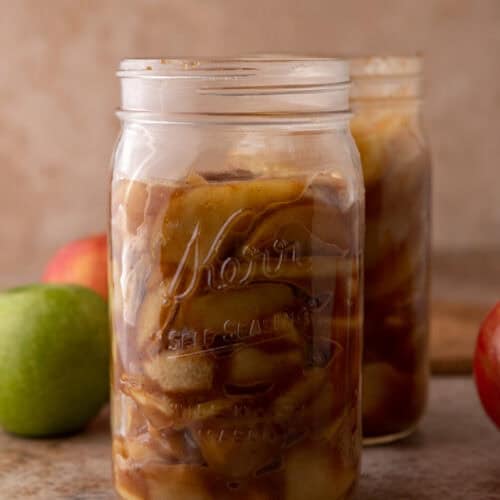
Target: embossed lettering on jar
x: 236, y: 215
x: 396, y: 167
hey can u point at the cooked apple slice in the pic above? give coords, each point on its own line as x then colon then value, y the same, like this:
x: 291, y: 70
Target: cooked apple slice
x: 158, y: 197
x: 236, y: 452
x: 337, y: 329
x: 314, y: 276
x: 394, y: 270
x: 126, y: 494
x: 327, y: 477
x: 315, y: 229
x: 215, y: 311
x: 383, y: 138
x: 118, y: 446
x: 326, y: 407
x: 163, y: 411
x: 186, y: 373
x: 175, y: 445
x: 330, y: 430
x: 251, y: 366
x: 392, y: 400
x: 156, y: 278
x: 153, y: 446
x: 199, y: 219
x: 396, y: 219
x: 329, y: 189
x: 141, y: 201
x: 126, y: 415
x: 150, y: 316
x: 252, y: 164
x: 174, y: 482
x: 136, y: 266
x: 317, y: 268
x: 135, y: 196
x: 295, y: 397
x: 141, y: 450
x: 160, y: 410
x: 157, y: 481
x: 155, y: 314
x: 285, y: 333
x: 128, y: 484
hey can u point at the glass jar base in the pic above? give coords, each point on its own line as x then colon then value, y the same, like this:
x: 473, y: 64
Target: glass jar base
x: 388, y: 438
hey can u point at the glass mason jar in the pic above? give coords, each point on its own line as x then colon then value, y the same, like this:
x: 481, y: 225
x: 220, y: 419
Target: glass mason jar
x: 386, y: 127
x: 237, y: 209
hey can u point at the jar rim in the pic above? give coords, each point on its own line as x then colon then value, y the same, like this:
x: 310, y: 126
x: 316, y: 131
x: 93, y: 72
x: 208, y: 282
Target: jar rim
x: 281, y: 68
x: 385, y: 66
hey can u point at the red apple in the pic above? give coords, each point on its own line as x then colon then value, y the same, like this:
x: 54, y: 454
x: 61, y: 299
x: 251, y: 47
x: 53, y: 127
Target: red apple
x: 82, y: 262
x: 487, y: 364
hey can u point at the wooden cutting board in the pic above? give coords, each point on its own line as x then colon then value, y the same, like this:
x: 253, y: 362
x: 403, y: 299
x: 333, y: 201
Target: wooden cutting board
x: 465, y: 286
x: 454, y: 328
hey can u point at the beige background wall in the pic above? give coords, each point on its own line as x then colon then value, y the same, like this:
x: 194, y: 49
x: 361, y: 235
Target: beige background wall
x: 58, y: 93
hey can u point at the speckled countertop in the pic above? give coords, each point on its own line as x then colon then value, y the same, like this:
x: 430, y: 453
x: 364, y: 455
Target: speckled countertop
x: 454, y: 456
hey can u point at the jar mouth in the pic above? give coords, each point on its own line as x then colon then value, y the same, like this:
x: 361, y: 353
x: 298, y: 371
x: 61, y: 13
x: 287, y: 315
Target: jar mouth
x: 261, y: 84
x: 385, y: 66
x: 386, y: 77
x: 283, y: 68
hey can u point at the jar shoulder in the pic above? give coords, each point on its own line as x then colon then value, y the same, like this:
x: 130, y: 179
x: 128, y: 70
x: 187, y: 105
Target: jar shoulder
x: 174, y: 153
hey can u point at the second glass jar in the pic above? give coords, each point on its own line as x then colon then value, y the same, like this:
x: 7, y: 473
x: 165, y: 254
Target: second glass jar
x: 396, y: 167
